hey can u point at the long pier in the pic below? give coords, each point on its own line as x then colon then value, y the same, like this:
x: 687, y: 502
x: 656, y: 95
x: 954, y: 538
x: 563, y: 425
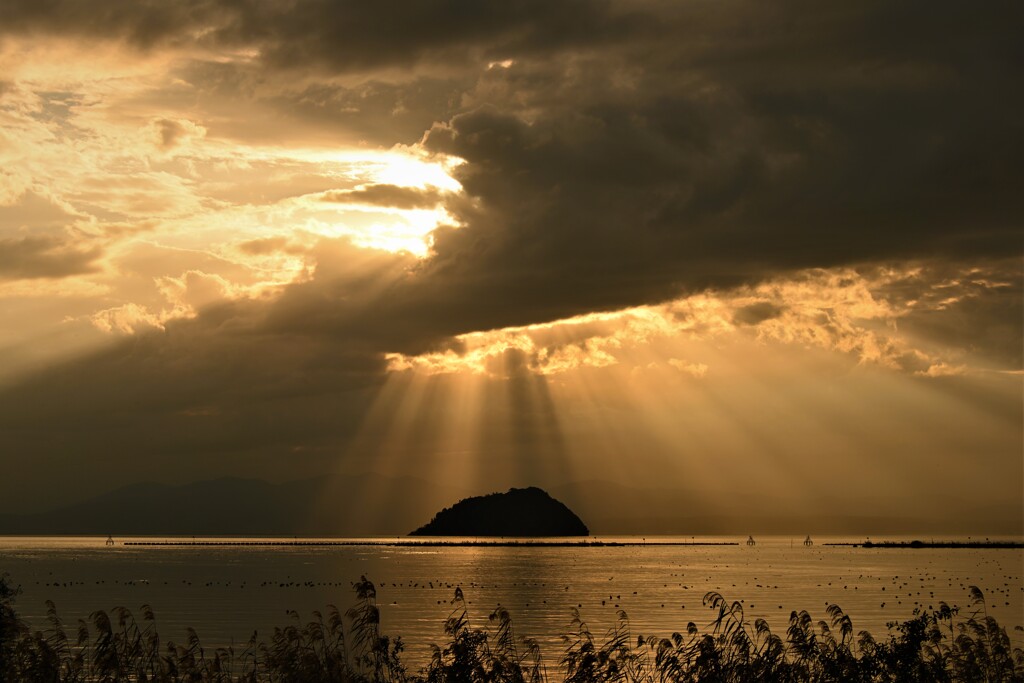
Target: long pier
x: 431, y: 544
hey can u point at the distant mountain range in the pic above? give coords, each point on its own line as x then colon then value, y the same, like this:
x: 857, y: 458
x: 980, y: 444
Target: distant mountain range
x: 377, y: 505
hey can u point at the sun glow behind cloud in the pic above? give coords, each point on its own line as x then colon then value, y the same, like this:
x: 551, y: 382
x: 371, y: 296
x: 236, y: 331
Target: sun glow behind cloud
x: 129, y: 193
x: 841, y: 310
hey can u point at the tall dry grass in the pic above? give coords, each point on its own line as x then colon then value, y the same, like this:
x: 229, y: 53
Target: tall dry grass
x: 940, y: 645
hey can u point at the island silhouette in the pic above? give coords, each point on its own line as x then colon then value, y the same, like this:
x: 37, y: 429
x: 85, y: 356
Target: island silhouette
x: 517, y: 512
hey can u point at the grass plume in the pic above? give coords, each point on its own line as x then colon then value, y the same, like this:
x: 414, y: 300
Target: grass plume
x: 934, y: 645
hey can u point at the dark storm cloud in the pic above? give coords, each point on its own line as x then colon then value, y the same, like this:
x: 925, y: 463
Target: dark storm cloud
x: 632, y: 151
x: 43, y: 257
x: 339, y: 35
x: 286, y: 107
x: 703, y: 145
x: 977, y: 311
x: 753, y: 143
x: 141, y: 23
x: 442, y: 30
x: 612, y: 203
x: 376, y: 111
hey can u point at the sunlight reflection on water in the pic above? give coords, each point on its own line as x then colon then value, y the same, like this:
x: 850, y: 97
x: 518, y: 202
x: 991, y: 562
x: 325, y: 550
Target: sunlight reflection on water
x: 225, y: 592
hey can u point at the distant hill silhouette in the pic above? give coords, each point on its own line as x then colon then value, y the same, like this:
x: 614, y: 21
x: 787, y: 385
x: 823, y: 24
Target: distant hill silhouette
x: 518, y: 512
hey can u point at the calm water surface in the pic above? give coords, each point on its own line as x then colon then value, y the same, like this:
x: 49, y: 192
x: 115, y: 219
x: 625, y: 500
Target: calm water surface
x: 227, y: 592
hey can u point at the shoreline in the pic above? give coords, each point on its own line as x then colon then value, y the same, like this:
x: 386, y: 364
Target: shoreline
x: 1008, y: 545
x: 457, y: 544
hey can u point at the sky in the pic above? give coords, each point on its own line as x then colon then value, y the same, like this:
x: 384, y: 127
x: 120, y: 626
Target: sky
x: 745, y: 250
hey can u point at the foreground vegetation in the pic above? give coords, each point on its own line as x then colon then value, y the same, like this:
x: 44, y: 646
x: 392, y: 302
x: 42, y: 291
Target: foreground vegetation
x: 938, y: 645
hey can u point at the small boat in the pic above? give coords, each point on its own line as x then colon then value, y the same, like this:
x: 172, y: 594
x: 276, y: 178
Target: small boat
x: 110, y: 540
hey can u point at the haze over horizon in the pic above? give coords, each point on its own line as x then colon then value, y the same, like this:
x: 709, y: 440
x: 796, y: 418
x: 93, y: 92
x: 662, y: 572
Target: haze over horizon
x: 737, y: 250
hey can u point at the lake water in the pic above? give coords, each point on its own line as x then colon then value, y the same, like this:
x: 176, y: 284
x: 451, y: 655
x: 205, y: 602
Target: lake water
x: 227, y: 592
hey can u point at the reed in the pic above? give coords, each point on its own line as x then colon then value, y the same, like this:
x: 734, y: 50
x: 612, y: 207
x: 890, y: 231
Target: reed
x: 935, y: 645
